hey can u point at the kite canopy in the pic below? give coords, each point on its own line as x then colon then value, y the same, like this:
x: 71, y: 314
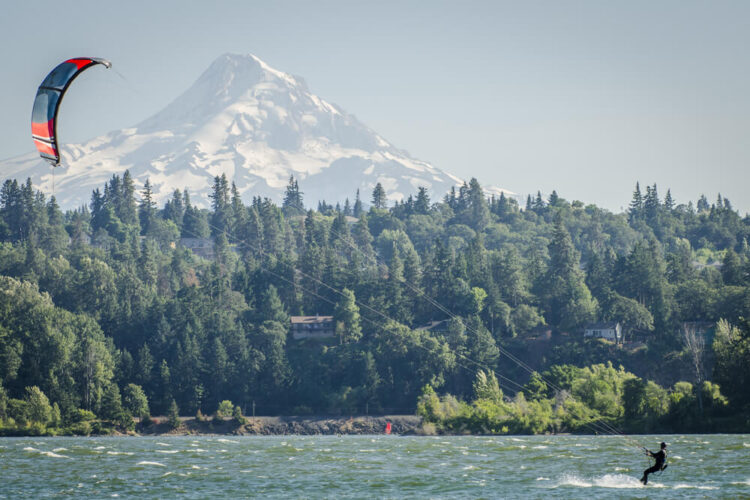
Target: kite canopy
x: 47, y: 103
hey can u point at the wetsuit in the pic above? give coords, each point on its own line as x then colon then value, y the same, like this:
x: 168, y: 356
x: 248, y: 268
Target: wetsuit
x: 661, y: 457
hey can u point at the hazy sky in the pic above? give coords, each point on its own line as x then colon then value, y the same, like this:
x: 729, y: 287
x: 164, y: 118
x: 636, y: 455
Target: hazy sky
x: 583, y: 97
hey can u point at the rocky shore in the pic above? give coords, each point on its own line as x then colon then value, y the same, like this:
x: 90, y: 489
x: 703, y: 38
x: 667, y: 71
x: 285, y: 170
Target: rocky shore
x: 400, y: 424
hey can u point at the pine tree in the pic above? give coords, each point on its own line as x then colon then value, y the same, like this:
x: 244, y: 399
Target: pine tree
x: 668, y: 202
x: 346, y: 316
x: 357, y: 210
x: 379, y: 199
x: 422, y: 203
x: 568, y: 299
x: 554, y: 199
x: 292, y: 204
x: 127, y: 211
x: 539, y: 205
x: 220, y: 219
x: 635, y: 211
x: 146, y: 208
x: 702, y: 205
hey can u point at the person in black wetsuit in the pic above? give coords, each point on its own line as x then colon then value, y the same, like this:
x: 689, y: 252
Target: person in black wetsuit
x: 660, y: 457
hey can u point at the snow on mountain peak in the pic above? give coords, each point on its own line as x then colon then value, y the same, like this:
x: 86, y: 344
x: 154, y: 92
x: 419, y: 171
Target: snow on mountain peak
x: 254, y: 123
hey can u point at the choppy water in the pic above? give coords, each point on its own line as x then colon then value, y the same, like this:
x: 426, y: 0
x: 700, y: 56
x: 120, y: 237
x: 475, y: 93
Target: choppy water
x: 700, y: 466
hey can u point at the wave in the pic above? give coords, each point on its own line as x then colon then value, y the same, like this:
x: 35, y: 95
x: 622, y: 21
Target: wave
x: 145, y: 462
x: 50, y: 454
x: 682, y: 486
x: 619, y: 481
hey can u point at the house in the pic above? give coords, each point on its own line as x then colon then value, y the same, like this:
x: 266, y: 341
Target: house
x: 312, y: 327
x: 202, y: 247
x: 435, y: 326
x: 608, y: 330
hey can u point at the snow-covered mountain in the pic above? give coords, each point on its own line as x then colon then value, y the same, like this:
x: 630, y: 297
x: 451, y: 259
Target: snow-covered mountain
x: 251, y: 122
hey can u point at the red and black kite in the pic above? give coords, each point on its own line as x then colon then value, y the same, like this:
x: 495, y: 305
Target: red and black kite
x: 47, y: 103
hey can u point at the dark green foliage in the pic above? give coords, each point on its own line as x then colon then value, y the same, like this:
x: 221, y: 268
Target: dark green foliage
x: 110, y: 298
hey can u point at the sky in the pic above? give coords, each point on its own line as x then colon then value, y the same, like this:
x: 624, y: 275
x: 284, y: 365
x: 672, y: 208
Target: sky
x: 582, y: 97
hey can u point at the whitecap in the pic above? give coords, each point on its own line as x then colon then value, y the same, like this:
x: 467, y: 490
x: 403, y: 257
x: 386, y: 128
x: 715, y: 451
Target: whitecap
x: 145, y: 462
x: 29, y: 448
x: 52, y: 455
x: 742, y: 483
x: 169, y: 452
x: 222, y: 440
x: 100, y: 448
x: 539, y: 447
x: 616, y: 481
x: 56, y: 450
x: 119, y: 453
x: 682, y: 486
x: 542, y: 479
x: 164, y: 444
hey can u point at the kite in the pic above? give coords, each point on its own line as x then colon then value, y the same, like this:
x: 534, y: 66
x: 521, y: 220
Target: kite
x: 47, y: 104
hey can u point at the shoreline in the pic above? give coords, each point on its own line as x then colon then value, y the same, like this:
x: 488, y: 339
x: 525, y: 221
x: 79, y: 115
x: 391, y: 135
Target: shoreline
x: 287, y: 425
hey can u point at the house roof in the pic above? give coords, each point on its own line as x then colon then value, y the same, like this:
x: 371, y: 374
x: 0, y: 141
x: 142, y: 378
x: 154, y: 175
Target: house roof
x: 430, y: 325
x: 310, y: 320
x: 604, y: 325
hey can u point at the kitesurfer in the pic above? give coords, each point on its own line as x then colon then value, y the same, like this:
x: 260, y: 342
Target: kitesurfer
x: 661, y: 462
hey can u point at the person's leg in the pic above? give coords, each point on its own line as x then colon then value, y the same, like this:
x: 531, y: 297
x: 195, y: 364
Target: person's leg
x: 648, y: 471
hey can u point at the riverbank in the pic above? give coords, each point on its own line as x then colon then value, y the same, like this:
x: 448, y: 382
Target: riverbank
x: 318, y: 425
x: 260, y: 426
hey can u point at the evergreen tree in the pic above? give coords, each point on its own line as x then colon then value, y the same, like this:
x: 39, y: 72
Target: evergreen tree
x: 347, y: 319
x: 292, y: 204
x: 422, y: 203
x: 568, y: 299
x: 635, y: 211
x: 379, y: 199
x: 221, y: 217
x: 357, y: 210
x: 668, y: 201
x: 146, y: 208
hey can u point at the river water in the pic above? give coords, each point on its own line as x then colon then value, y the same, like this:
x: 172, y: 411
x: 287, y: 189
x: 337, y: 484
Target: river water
x: 700, y: 466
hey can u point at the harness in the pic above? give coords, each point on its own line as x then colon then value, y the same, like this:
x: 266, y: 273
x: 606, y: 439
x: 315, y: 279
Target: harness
x: 651, y: 455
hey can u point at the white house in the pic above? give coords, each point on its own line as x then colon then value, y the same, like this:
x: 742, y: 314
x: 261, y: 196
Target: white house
x: 608, y: 330
x: 312, y: 327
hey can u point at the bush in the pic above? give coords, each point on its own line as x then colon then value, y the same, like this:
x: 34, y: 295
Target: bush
x: 18, y: 410
x: 173, y: 418
x: 225, y: 409
x: 237, y: 416
x: 81, y: 415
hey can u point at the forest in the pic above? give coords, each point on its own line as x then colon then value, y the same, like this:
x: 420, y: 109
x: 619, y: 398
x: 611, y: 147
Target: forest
x: 122, y: 309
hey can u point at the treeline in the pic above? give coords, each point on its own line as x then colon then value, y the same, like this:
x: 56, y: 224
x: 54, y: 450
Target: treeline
x: 106, y: 298
x: 598, y: 399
